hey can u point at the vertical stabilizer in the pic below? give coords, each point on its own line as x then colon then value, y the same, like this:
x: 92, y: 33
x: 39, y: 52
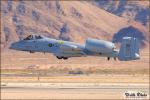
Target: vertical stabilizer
x: 129, y: 49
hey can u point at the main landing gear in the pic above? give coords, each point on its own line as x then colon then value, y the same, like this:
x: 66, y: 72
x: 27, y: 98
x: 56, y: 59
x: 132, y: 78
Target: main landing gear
x: 108, y: 58
x: 61, y: 57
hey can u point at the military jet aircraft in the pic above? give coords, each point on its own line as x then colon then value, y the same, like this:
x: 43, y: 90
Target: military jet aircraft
x: 129, y: 49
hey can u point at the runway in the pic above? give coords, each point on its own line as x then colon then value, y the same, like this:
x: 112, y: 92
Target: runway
x: 74, y: 91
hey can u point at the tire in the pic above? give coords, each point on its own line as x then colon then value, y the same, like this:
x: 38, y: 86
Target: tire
x: 65, y: 58
x: 59, y: 57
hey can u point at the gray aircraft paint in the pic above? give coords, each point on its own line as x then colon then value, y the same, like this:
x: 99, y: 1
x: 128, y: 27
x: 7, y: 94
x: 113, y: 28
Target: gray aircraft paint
x: 64, y: 49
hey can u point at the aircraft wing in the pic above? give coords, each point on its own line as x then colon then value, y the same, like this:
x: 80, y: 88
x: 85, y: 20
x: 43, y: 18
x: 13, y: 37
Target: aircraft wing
x: 68, y: 50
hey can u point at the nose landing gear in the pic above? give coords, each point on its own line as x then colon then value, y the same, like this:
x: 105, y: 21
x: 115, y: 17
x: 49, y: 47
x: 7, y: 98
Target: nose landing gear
x: 31, y: 51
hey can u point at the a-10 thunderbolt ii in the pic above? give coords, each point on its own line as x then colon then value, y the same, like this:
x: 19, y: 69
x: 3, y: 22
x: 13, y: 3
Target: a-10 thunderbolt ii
x: 129, y: 49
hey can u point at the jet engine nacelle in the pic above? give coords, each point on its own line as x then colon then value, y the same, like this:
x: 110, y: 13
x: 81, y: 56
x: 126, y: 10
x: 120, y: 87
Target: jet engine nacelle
x: 99, y: 46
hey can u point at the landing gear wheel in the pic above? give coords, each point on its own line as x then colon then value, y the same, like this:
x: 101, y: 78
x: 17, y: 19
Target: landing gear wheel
x: 108, y: 58
x: 65, y: 58
x: 59, y: 57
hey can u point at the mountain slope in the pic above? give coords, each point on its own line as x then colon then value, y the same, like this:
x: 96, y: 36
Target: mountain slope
x: 137, y: 10
x: 67, y: 20
x: 80, y: 19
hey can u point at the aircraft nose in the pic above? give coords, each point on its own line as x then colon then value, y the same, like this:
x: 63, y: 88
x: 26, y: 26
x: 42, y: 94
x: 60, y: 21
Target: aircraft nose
x: 14, y: 45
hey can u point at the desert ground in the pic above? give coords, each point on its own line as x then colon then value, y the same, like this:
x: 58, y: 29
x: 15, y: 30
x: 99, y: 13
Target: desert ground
x: 74, y: 86
x: 26, y: 76
x: 72, y: 90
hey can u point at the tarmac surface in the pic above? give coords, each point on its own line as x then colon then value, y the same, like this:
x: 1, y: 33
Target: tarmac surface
x: 74, y: 91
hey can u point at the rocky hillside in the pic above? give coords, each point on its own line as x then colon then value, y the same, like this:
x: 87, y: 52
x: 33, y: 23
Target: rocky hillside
x: 137, y: 10
x: 67, y: 20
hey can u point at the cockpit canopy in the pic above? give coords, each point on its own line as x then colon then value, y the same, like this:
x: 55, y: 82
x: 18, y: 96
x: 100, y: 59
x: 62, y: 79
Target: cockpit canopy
x: 33, y: 37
